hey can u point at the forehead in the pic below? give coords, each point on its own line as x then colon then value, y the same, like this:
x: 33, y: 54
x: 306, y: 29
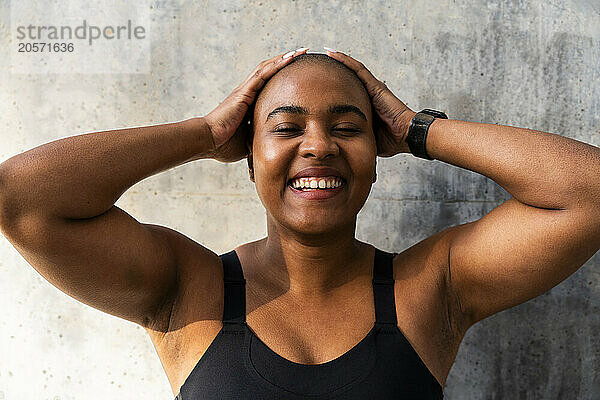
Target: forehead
x: 313, y: 86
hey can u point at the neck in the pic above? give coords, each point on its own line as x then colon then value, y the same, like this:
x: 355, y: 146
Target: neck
x: 312, y: 266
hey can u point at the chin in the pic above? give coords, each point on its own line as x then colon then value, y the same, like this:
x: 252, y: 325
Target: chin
x: 317, y: 230
x: 316, y: 225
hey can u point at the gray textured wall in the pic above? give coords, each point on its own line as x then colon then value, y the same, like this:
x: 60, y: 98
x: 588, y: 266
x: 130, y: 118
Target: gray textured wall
x: 532, y: 63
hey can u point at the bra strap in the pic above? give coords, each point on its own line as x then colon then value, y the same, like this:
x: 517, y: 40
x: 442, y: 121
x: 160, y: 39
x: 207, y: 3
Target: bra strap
x: 234, y: 308
x: 383, y: 288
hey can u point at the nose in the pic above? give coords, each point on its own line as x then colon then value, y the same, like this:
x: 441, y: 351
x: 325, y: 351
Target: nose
x: 318, y: 143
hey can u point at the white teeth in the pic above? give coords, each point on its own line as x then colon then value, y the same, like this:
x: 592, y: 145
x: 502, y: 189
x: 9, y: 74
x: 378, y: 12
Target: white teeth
x: 309, y: 183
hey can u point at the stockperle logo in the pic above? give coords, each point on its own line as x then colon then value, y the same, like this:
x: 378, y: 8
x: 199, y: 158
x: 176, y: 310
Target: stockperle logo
x: 81, y: 32
x: 106, y: 36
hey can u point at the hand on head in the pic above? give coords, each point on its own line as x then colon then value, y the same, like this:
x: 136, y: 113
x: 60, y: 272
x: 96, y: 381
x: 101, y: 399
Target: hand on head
x: 392, y: 117
x: 229, y: 121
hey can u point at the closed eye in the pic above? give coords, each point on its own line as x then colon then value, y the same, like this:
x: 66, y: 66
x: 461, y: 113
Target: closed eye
x: 286, y: 130
x: 297, y: 129
x: 347, y: 131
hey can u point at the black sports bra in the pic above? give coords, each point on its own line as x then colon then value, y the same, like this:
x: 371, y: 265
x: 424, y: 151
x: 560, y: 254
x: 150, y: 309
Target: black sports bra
x: 238, y: 365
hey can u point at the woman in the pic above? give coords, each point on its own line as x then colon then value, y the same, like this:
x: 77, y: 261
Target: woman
x: 308, y: 311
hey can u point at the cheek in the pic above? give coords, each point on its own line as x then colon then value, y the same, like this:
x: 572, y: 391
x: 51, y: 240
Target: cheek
x: 362, y: 158
x: 271, y: 164
x: 269, y: 154
x: 363, y: 169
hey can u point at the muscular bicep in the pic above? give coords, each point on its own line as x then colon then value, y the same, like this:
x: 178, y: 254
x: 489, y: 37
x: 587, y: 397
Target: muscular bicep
x: 517, y: 252
x: 110, y: 262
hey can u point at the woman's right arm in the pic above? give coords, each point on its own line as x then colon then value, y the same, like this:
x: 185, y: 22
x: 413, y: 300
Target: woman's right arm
x: 57, y: 209
x: 57, y: 205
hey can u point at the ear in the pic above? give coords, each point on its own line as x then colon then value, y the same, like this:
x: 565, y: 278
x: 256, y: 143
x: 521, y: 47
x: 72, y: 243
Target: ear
x: 375, y: 171
x: 250, y: 166
x: 249, y: 140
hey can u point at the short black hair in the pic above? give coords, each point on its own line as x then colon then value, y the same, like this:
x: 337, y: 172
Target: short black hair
x: 311, y: 59
x: 321, y: 58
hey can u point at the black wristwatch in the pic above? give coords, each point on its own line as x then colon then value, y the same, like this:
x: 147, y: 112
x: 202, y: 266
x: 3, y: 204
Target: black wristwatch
x: 417, y: 131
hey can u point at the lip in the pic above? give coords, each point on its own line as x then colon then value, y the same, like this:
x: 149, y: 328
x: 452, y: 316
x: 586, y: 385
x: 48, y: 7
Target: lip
x: 317, y: 172
x: 316, y: 194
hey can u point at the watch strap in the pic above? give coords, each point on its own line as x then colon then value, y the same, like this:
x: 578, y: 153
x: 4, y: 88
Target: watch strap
x: 417, y: 131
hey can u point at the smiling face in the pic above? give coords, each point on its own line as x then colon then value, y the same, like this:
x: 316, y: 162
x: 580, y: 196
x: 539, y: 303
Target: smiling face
x: 313, y: 115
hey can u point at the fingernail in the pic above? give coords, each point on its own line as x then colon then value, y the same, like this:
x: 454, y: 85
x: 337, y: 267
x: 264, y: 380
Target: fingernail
x: 289, y: 54
x: 301, y: 49
x: 329, y: 49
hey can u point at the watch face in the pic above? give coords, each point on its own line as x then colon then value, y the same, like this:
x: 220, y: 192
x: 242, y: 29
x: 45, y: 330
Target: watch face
x: 424, y: 118
x: 434, y: 113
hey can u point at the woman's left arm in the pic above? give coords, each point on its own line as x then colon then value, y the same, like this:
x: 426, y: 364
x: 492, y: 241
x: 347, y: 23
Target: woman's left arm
x: 529, y: 243
x: 533, y: 241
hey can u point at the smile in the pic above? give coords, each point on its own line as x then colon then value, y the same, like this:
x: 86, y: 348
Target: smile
x: 316, y: 183
x: 317, y: 188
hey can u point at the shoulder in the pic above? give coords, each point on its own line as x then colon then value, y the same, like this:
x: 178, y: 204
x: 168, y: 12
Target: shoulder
x: 422, y: 275
x: 199, y: 283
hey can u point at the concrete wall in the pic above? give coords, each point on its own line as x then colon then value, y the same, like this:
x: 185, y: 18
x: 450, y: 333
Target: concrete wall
x: 526, y: 63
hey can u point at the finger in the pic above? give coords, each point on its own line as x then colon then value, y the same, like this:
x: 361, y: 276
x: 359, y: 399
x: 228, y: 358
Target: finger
x: 372, y: 84
x: 262, y: 64
x: 268, y: 68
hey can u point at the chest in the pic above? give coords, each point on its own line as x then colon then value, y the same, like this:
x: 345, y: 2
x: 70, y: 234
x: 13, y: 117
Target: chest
x: 310, y: 333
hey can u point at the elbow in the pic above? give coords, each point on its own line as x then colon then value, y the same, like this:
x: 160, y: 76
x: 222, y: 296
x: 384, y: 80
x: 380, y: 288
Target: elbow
x: 9, y: 202
x: 4, y: 208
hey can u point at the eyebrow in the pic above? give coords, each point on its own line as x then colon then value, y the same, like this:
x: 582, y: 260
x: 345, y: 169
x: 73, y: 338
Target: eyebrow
x: 333, y: 109
x: 346, y: 108
x: 291, y: 109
